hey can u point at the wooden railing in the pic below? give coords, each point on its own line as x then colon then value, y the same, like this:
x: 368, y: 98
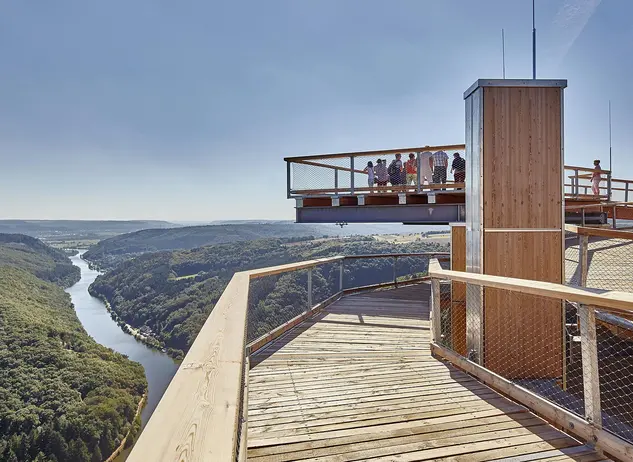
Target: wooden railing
x: 343, y: 173
x: 201, y: 416
x: 587, y: 427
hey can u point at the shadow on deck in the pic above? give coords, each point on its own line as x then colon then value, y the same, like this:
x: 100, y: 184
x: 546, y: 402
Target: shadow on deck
x: 358, y: 382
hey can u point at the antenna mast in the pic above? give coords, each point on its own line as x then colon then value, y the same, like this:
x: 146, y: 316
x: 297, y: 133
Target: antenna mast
x: 503, y: 52
x: 533, y: 43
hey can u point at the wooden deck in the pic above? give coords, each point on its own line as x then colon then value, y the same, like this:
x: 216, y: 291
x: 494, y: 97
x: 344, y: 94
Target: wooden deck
x: 358, y: 382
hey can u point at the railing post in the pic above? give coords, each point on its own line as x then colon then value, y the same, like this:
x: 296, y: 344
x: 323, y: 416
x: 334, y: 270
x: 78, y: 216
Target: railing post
x: 583, y: 260
x: 309, y: 288
x: 609, y: 186
x: 436, y: 327
x: 582, y: 211
x: 288, y: 189
x: 340, y: 276
x: 626, y: 191
x: 419, y: 173
x: 613, y: 218
x: 590, y: 374
x: 395, y: 276
x: 336, y: 180
x: 351, y: 173
x: 575, y: 189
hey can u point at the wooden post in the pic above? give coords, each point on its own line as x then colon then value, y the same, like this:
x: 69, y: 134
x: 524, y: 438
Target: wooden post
x: 583, y: 260
x: 309, y: 288
x: 626, y: 191
x: 395, y: 275
x: 590, y: 374
x: 436, y: 327
x: 576, y: 192
x: 336, y: 180
x: 340, y: 275
x: 613, y: 217
x: 582, y: 211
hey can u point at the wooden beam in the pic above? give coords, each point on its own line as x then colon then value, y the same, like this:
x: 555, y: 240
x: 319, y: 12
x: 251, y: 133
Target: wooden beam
x: 570, y: 423
x: 445, y: 147
x: 619, y: 301
x: 333, y: 167
x: 599, y: 232
x: 585, y: 169
x: 199, y: 414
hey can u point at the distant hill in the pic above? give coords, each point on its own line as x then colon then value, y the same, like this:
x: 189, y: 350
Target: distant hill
x: 32, y: 255
x: 172, y: 292
x: 78, y: 229
x: 109, y: 252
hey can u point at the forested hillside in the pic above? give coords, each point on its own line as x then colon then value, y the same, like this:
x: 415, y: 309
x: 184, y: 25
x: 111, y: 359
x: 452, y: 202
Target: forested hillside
x: 45, y: 262
x: 172, y: 293
x: 63, y: 397
x: 109, y: 252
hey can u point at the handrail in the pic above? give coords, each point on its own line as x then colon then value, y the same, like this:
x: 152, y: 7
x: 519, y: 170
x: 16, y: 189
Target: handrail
x: 600, y: 232
x: 200, y: 415
x: 377, y: 152
x: 615, y: 300
x: 585, y: 169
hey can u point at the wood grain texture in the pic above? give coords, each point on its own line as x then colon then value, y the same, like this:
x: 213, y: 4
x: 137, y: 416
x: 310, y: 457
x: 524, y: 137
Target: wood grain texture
x: 197, y: 418
x: 458, y: 289
x: 522, y: 180
x: 617, y: 301
x: 358, y: 382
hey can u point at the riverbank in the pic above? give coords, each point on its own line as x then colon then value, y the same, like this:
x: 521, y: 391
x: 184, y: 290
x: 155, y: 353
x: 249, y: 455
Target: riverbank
x: 136, y: 427
x: 98, y: 322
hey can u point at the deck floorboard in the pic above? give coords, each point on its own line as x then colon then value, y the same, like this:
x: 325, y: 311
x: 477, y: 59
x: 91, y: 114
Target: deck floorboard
x: 358, y: 382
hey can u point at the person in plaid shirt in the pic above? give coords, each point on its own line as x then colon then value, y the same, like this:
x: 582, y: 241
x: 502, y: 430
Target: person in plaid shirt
x: 439, y: 164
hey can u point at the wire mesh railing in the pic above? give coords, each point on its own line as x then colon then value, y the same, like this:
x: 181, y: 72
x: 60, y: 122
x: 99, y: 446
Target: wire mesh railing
x: 570, y: 347
x: 583, y: 182
x: 412, y: 170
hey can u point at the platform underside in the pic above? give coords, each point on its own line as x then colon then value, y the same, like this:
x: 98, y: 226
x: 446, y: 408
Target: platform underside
x: 358, y: 382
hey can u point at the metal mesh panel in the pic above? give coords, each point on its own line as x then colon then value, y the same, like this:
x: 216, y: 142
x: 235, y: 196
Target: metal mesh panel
x: 614, y: 335
x: 338, y: 175
x: 609, y: 263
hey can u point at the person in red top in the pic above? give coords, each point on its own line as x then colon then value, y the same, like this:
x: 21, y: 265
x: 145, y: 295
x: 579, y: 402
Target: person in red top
x: 411, y: 167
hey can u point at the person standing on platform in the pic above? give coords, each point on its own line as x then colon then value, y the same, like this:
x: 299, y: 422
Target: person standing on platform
x: 439, y: 164
x: 369, y: 170
x: 395, y: 171
x: 381, y: 173
x: 596, y: 177
x: 426, y: 172
x: 411, y: 168
x: 458, y: 168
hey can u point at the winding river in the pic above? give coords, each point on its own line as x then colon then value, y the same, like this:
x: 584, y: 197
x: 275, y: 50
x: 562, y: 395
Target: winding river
x: 159, y: 368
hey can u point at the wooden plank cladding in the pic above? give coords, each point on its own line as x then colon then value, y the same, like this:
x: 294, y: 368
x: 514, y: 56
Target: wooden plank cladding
x: 518, y: 141
x: 458, y: 289
x: 522, y: 158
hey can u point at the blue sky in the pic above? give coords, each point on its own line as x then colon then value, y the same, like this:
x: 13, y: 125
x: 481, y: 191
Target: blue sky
x: 184, y: 110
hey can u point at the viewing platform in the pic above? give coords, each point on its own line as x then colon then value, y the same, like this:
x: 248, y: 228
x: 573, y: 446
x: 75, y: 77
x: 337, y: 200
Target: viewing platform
x: 358, y: 382
x: 333, y: 188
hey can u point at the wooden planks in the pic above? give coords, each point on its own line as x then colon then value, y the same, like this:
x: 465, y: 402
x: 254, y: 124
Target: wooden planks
x: 458, y: 289
x: 522, y: 157
x: 358, y: 382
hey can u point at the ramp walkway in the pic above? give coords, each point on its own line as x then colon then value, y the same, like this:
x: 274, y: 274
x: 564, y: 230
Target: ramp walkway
x: 358, y: 382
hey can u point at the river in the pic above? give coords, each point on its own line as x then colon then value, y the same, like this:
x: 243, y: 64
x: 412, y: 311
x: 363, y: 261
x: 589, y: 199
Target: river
x: 159, y: 368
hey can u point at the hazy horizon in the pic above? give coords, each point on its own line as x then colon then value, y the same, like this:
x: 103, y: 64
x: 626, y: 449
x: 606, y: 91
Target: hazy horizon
x: 184, y: 112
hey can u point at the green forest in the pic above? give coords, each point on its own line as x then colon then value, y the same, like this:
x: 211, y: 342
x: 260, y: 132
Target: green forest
x: 63, y: 397
x: 172, y: 293
x: 33, y: 255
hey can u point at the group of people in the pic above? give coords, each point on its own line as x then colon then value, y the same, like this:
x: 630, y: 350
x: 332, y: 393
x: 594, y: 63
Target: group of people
x: 433, y: 167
